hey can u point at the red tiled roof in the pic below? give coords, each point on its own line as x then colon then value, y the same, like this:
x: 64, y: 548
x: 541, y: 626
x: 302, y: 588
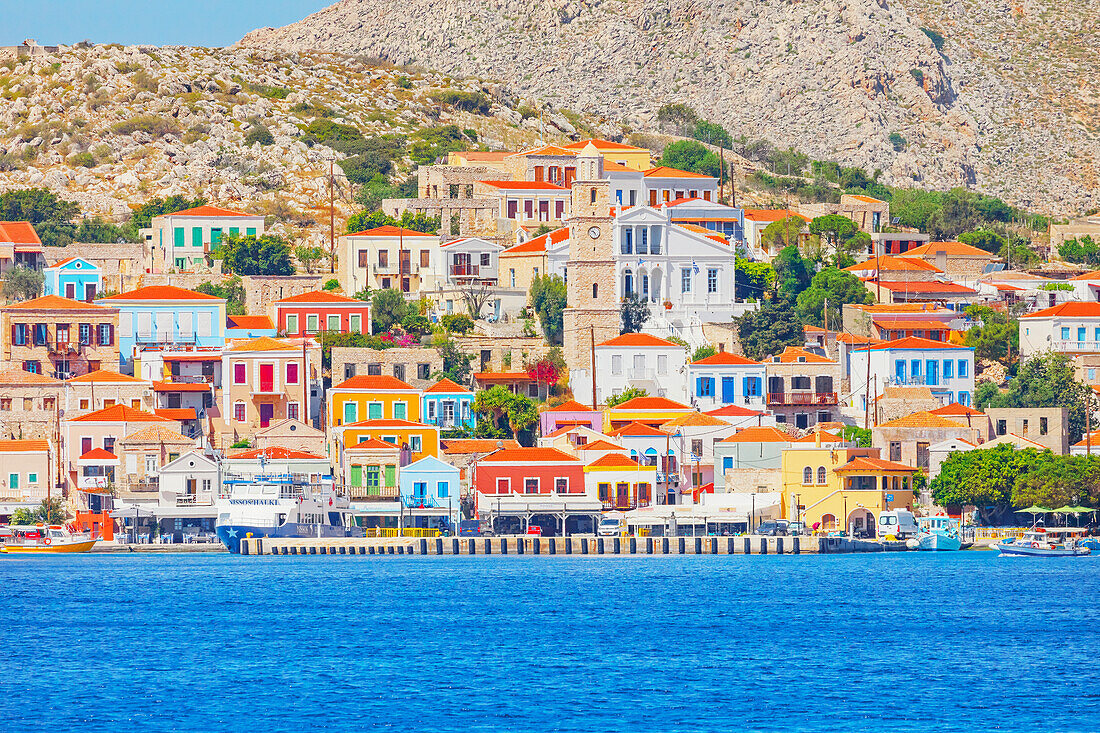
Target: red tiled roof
x: 374, y: 382
x: 733, y: 411
x: 956, y: 409
x: 501, y: 376
x: 119, y: 413
x: 873, y: 464
x: 55, y: 303
x: 925, y: 286
x: 889, y: 262
x: 725, y: 358
x: 895, y: 325
x: 14, y: 375
x: 826, y: 437
x: 537, y: 245
x: 208, y: 211
x: 525, y: 186
x: 952, y: 249
x: 376, y: 444
x: 161, y: 292
x: 651, y: 403
x: 1070, y: 309
x: 793, y: 355
x: 262, y: 343
x: 321, y: 296
x: 600, y: 444
x: 181, y: 387
x: 19, y: 232
x: 249, y: 322
x: 98, y: 454
x: 637, y: 339
x: 278, y: 452
x: 571, y: 406
x: 616, y: 460
x: 664, y: 171
x: 447, y: 386
x: 530, y: 455
x: 390, y: 231
x: 18, y: 446
x: 547, y: 150
x: 759, y: 434
x: 600, y: 144
x: 176, y: 413
x: 912, y: 342
x: 695, y: 420
x: 639, y: 430
x: 100, y: 376
x: 466, y: 446
x: 923, y: 419
x: 772, y: 214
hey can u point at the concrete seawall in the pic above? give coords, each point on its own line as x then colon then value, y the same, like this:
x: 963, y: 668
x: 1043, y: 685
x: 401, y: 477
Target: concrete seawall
x: 564, y: 546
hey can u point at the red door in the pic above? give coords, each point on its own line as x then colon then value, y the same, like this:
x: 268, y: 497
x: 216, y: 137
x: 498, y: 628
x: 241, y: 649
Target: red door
x: 267, y: 377
x: 266, y: 411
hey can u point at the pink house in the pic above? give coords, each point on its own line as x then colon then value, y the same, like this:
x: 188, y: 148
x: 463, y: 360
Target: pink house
x: 570, y: 415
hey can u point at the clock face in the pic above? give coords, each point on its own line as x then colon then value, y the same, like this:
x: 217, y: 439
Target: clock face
x: 594, y: 232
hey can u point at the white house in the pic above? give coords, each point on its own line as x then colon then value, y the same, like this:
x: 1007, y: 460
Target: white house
x: 190, y: 480
x: 726, y: 379
x: 637, y: 360
x: 183, y: 239
x: 1072, y: 327
x: 946, y: 369
x: 388, y: 257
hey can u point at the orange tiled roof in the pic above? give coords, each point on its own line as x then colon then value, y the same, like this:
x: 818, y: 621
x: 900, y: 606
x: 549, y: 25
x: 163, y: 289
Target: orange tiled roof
x: 20, y: 377
x: 925, y: 286
x: 956, y: 409
x: 772, y: 214
x: 176, y: 413
x: 889, y: 262
x: 637, y: 339
x: 525, y: 186
x: 161, y: 292
x: 638, y: 430
x: 651, y: 403
x: 866, y: 199
x: 537, y: 245
x: 896, y: 325
x: 664, y: 171
x: 156, y: 434
x: 912, y: 342
x: 56, y: 303
x: 600, y: 144
x: 599, y: 445
x: 388, y: 230
x: 388, y: 423
x: 733, y: 411
x: 321, y: 296
x: 571, y: 406
x: 759, y: 434
x: 263, y: 343
x: 873, y: 464
x: 447, y: 386
x: 119, y: 413
x: 792, y: 355
x: 923, y: 419
x: 376, y: 444
x: 501, y: 376
x: 616, y: 460
x: 849, y: 338
x: 248, y: 322
x: 1070, y: 309
x: 278, y: 453
x: 696, y: 420
x: 725, y: 358
x: 953, y: 249
x: 374, y: 382
x: 181, y: 387
x: 530, y: 455
x: 18, y: 232
x: 826, y: 437
x: 18, y: 446
x: 99, y: 454
x: 466, y: 446
x: 208, y: 211
x: 547, y: 150
x: 100, y: 376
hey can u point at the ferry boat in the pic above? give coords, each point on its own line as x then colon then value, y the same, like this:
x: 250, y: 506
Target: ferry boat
x: 43, y: 539
x: 936, y: 533
x: 1051, y: 542
x: 283, y: 505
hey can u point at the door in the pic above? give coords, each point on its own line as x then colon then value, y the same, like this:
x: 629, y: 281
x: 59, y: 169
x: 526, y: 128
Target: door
x: 70, y: 291
x: 267, y: 377
x: 622, y: 496
x: 192, y: 486
x: 266, y: 411
x: 775, y: 389
x: 89, y: 292
x: 729, y: 390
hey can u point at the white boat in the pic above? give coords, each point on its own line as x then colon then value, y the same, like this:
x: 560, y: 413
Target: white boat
x: 940, y: 532
x: 1040, y: 542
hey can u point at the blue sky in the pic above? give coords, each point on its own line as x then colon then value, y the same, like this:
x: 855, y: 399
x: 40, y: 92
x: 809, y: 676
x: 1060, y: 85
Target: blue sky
x: 159, y: 22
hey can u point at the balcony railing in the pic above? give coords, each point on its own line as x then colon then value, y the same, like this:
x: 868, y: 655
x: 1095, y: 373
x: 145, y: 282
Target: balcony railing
x: 195, y: 500
x: 802, y: 398
x: 1075, y: 346
x: 375, y: 493
x: 465, y: 270
x: 624, y: 505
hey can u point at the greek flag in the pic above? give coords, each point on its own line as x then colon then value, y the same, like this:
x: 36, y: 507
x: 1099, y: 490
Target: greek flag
x: 640, y: 261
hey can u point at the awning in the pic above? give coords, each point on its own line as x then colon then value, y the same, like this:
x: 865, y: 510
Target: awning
x: 191, y: 357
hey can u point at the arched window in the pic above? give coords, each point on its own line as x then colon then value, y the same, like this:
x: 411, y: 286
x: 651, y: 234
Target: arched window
x: 238, y: 411
x: 595, y: 290
x: 628, y: 282
x: 821, y: 474
x: 593, y: 195
x: 807, y: 475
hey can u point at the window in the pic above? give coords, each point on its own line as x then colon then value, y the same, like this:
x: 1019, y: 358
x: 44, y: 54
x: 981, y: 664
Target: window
x: 363, y: 257
x: 895, y: 450
x: 697, y: 447
x: 293, y: 411
x: 292, y: 323
x: 807, y: 475
x: 948, y: 369
x: 41, y: 334
x: 605, y: 492
x: 292, y: 372
x: 1002, y: 427
x: 374, y: 411
x: 400, y: 410
x: 712, y: 280
x: 800, y: 382
x: 595, y: 290
x: 423, y: 371
x: 616, y: 364
x: 375, y: 369
x: 486, y: 259
x: 399, y: 371
x: 431, y: 409
x: 685, y: 280
x: 374, y: 477
x: 627, y: 247
x: 1065, y: 333
x: 821, y: 474
x: 32, y: 478
x: 32, y: 367
x: 383, y: 258
x: 106, y: 334
x: 964, y: 369
x: 333, y: 322
x: 533, y: 389
x: 425, y: 258
x: 349, y: 371
x: 19, y: 334
x: 561, y: 485
x: 355, y: 324
x: 922, y: 456
x: 442, y: 489
x: 85, y: 331
x: 240, y: 372
x: 704, y: 386
x: 1043, y: 426
x: 531, y: 486
x: 662, y: 364
x: 504, y: 485
x: 5, y: 404
x: 312, y: 323
x: 238, y: 412
x: 415, y: 444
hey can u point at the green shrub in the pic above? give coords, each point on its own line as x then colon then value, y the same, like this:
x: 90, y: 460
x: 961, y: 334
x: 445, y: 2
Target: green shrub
x: 898, y: 141
x: 476, y: 102
x: 259, y: 134
x: 86, y: 160
x: 918, y: 75
x: 935, y: 37
x: 151, y: 124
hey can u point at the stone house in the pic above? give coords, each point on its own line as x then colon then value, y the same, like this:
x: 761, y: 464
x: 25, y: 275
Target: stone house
x: 28, y: 405
x: 101, y: 388
x: 908, y: 439
x: 957, y: 261
x: 262, y: 291
x: 413, y: 365
x: 58, y: 336
x: 869, y: 214
x: 802, y: 387
x: 143, y: 453
x: 1048, y: 426
x: 291, y: 435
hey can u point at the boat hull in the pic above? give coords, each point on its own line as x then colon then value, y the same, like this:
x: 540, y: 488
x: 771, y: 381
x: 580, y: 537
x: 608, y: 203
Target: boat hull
x: 934, y: 542
x: 1028, y: 551
x: 54, y: 549
x: 231, y: 535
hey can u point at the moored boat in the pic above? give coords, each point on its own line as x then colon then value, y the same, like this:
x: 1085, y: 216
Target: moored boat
x: 936, y: 533
x: 43, y: 539
x: 1040, y: 542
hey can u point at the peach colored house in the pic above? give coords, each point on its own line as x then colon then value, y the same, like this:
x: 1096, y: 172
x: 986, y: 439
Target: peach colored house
x: 265, y: 380
x: 94, y: 441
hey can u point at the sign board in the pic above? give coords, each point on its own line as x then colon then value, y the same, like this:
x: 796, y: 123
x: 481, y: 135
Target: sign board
x: 889, y: 497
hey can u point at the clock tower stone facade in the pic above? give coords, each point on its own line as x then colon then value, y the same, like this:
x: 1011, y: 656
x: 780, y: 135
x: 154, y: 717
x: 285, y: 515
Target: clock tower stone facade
x: 593, y: 307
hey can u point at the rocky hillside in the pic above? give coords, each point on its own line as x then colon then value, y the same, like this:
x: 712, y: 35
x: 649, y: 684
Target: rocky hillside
x: 111, y: 127
x: 1005, y: 101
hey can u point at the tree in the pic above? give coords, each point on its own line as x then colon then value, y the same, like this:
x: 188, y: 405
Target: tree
x: 1057, y: 481
x: 983, y: 478
x: 548, y: 299
x: 1048, y: 381
x: 626, y: 395
x: 783, y: 233
x: 475, y: 294
x: 456, y: 362
x: 22, y: 283
x: 836, y: 286
x: 836, y: 230
x: 50, y: 511
x: 331, y: 284
x: 703, y: 352
x: 986, y: 239
x: 753, y: 279
x: 633, y: 314
x: 997, y: 338
x: 688, y: 155
x: 769, y: 329
x: 233, y: 292
x: 792, y: 272
x: 421, y: 222
x: 309, y: 256
x: 267, y: 254
x: 506, y: 414
x: 387, y: 308
x: 860, y: 436
x: 456, y: 323
x: 51, y: 216
x: 676, y: 118
x: 1083, y: 251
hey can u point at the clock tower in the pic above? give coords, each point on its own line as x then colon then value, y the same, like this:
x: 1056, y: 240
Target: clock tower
x: 592, y: 312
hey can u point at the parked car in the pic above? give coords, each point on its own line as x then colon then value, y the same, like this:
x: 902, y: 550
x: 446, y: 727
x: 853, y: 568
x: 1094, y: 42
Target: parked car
x: 897, y: 522
x: 610, y: 527
x: 797, y: 528
x: 773, y: 528
x: 473, y: 528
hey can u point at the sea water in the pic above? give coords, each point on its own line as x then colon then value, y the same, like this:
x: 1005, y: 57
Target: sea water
x: 893, y: 642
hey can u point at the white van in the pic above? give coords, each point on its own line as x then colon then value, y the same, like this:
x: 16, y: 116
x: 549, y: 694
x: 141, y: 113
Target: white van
x: 899, y: 522
x: 610, y: 527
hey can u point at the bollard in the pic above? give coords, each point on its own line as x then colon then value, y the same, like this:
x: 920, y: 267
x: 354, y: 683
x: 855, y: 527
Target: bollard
x: 714, y: 545
x: 471, y: 547
x: 748, y: 545
x: 568, y: 545
x: 599, y: 546
x: 488, y: 546
x: 763, y: 545
x: 681, y: 545
x: 423, y: 546
x: 243, y: 545
x: 552, y: 545
x: 795, y: 545
x: 633, y: 546
x: 616, y: 545
x: 584, y: 546
x: 536, y: 545
x: 664, y: 545
x: 698, y: 545
x: 503, y: 546
x: 520, y: 548
x: 454, y: 546
x: 778, y: 545
x: 649, y: 545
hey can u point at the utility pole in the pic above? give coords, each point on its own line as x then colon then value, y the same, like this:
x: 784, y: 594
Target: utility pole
x: 592, y: 362
x: 331, y: 217
x: 867, y: 391
x: 1088, y: 423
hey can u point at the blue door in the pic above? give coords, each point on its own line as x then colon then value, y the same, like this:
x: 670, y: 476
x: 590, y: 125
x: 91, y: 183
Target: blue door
x: 899, y: 371
x: 914, y: 371
x: 729, y: 390
x: 933, y: 374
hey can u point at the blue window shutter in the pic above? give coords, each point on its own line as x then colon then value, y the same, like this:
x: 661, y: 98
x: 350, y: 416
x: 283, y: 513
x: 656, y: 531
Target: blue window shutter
x: 698, y: 386
x: 727, y: 463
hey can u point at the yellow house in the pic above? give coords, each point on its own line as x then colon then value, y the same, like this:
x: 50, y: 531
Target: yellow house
x: 619, y: 482
x: 521, y: 264
x: 372, y: 397
x: 843, y: 487
x: 651, y: 411
x: 416, y: 440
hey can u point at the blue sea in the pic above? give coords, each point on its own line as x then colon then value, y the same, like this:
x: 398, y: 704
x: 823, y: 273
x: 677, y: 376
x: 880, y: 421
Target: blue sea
x: 894, y: 642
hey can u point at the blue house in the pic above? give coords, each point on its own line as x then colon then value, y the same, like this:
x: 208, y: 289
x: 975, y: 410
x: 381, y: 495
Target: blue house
x: 74, y: 278
x: 165, y: 316
x: 429, y: 493
x: 447, y: 405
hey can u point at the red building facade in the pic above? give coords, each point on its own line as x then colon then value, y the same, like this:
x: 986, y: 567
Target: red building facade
x: 309, y: 313
x: 529, y: 471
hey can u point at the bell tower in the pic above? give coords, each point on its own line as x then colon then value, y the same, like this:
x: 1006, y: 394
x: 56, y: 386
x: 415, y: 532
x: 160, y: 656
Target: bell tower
x: 592, y: 311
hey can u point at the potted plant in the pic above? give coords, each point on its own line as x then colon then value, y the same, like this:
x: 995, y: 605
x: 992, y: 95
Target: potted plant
x: 668, y: 305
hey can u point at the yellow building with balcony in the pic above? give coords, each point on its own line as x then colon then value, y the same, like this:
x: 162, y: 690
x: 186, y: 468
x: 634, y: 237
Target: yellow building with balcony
x: 838, y: 488
x: 372, y: 397
x: 415, y: 440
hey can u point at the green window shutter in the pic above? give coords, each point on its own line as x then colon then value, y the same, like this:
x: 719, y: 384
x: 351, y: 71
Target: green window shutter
x: 356, y: 325
x: 374, y: 411
x: 178, y: 236
x: 391, y: 476
x: 250, y: 232
x: 234, y: 230
x: 311, y: 323
x: 215, y: 237
x: 356, y: 475
x: 399, y: 411
x: 196, y: 236
x: 350, y: 410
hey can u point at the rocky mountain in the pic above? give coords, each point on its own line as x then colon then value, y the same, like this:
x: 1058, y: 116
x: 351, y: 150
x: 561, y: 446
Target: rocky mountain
x: 997, y: 96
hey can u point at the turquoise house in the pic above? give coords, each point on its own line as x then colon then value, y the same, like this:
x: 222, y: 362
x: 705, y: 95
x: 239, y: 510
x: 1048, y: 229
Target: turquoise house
x: 429, y: 493
x: 164, y: 316
x: 447, y: 405
x: 74, y: 278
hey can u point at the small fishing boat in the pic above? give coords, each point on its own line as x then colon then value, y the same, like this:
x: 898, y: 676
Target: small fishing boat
x: 940, y: 532
x: 1040, y: 542
x: 43, y: 539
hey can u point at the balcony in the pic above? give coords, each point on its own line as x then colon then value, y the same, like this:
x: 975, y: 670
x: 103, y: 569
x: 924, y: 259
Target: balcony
x: 195, y: 500
x: 624, y: 505
x: 1075, y: 346
x: 802, y: 398
x: 148, y: 485
x: 465, y: 270
x: 421, y: 502
x: 374, y: 493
